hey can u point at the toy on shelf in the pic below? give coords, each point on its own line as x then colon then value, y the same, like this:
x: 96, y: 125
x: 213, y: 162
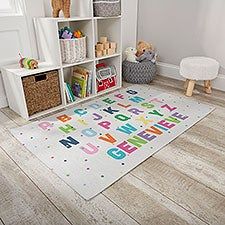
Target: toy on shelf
x: 105, y: 47
x: 68, y: 33
x: 106, y: 76
x: 78, y: 34
x: 73, y: 45
x: 58, y: 5
x: 28, y: 63
x: 130, y: 54
x: 65, y: 33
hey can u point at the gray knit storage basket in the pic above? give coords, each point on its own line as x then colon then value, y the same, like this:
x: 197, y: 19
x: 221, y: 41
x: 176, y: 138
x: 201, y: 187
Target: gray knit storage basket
x: 107, y: 8
x: 139, y: 73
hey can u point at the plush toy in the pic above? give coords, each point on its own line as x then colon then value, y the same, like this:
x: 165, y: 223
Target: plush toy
x: 58, y: 5
x: 65, y: 33
x: 147, y: 56
x: 131, y: 54
x: 142, y: 47
x: 28, y: 63
x: 78, y: 34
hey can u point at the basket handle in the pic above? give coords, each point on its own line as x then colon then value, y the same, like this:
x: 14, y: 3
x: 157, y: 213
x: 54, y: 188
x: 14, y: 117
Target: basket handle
x: 40, y: 77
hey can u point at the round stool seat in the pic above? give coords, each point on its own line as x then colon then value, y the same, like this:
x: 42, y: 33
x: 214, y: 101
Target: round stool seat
x: 199, y: 68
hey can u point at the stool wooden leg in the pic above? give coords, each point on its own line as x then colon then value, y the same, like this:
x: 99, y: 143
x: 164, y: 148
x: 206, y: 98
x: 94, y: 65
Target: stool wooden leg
x: 186, y: 84
x: 190, y: 88
x: 208, y: 86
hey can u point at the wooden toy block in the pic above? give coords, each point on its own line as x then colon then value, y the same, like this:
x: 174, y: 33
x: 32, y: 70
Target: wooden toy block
x: 103, y: 39
x: 113, y: 45
x: 106, y: 45
x: 98, y: 53
x: 111, y: 51
x: 99, y: 47
x: 104, y: 52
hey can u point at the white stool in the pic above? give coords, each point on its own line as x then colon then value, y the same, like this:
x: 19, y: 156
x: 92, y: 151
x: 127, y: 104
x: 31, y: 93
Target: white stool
x: 198, y: 68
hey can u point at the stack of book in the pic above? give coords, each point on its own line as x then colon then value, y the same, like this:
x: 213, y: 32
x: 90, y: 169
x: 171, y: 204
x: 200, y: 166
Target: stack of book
x: 69, y: 93
x: 81, y: 82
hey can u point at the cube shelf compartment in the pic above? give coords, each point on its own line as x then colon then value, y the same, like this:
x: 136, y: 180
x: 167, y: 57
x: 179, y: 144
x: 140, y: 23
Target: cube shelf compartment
x: 50, y: 57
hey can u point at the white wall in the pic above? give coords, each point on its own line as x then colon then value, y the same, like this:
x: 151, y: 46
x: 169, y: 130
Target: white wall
x: 180, y: 28
x: 129, y: 24
x: 17, y: 36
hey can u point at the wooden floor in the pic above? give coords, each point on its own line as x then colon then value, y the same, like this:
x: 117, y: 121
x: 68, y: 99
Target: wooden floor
x: 184, y: 183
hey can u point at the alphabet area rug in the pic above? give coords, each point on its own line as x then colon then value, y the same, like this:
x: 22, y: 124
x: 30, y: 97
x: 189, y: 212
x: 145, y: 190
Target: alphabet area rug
x: 94, y: 144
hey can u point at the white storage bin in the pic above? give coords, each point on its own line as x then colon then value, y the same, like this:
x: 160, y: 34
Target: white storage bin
x: 73, y: 50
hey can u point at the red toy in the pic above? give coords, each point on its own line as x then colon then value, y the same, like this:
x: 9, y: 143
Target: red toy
x: 106, y: 83
x: 106, y: 76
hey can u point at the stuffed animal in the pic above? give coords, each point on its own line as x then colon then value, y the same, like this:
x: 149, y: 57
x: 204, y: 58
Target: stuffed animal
x: 147, y: 56
x: 65, y: 33
x: 58, y: 5
x: 28, y: 63
x: 78, y: 34
x: 131, y: 54
x: 142, y: 47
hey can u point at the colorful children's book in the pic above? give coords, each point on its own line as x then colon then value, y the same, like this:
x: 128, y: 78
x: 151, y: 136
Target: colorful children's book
x: 79, y: 85
x: 67, y: 93
x: 82, y: 88
x: 70, y: 92
x: 89, y: 84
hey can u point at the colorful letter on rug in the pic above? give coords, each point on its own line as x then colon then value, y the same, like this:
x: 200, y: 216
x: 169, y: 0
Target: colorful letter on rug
x: 93, y: 145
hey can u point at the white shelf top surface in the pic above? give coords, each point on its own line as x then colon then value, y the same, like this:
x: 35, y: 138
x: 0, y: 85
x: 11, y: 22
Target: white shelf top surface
x: 62, y: 19
x: 87, y: 60
x: 108, y: 56
x: 71, y: 19
x: 22, y: 72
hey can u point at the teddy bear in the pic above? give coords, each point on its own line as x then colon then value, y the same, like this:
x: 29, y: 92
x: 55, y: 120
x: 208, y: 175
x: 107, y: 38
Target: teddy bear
x: 131, y: 54
x: 58, y: 5
x: 142, y: 47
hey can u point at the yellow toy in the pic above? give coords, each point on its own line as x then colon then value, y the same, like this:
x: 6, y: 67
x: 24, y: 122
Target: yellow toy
x: 78, y: 34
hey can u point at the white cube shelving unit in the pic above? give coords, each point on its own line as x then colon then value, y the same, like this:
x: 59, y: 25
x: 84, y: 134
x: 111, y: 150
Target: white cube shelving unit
x: 50, y: 55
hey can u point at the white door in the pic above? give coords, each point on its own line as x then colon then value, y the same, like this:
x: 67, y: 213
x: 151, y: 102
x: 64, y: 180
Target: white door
x: 14, y: 36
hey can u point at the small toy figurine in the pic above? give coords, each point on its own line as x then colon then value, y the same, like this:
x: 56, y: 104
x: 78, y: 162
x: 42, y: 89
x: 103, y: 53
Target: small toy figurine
x: 28, y: 63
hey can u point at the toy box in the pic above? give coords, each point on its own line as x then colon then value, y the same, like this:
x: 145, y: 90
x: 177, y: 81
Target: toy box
x: 106, y: 77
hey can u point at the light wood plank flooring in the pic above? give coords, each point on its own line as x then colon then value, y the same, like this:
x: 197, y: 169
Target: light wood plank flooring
x: 182, y: 184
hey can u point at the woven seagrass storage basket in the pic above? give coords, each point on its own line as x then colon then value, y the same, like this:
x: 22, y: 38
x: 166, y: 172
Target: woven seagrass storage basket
x: 107, y: 8
x: 139, y: 73
x: 42, y: 91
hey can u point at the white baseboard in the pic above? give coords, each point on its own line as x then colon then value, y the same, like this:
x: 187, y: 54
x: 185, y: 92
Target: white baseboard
x: 3, y: 102
x: 172, y: 71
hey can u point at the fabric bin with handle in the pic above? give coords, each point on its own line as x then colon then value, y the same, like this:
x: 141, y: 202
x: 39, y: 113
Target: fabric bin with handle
x: 73, y: 50
x: 42, y: 91
x: 107, y: 8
